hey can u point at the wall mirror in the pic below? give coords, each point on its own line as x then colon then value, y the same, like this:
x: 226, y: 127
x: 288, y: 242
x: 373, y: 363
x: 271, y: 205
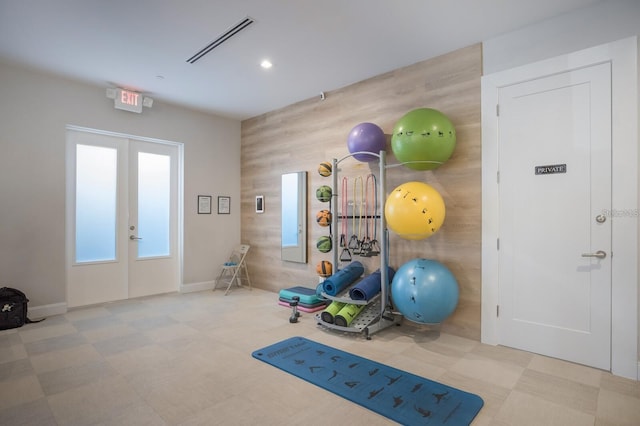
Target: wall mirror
x: 294, y: 217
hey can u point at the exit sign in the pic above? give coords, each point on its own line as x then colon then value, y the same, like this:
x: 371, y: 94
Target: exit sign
x: 128, y: 100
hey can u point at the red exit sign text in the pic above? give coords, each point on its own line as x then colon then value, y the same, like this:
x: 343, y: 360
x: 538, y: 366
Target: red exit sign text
x: 128, y: 100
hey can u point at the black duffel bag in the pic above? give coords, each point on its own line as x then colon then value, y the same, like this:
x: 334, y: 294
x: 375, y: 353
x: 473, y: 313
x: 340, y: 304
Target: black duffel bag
x: 13, y: 308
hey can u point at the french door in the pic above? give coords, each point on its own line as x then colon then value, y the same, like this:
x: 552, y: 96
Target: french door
x: 122, y: 217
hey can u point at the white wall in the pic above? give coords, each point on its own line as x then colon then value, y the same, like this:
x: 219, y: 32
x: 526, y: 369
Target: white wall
x: 596, y: 25
x: 34, y: 110
x: 591, y: 26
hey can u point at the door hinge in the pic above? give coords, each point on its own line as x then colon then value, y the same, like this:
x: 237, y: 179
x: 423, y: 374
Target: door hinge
x: 497, y: 243
x: 497, y: 310
x: 498, y: 176
x: 497, y: 110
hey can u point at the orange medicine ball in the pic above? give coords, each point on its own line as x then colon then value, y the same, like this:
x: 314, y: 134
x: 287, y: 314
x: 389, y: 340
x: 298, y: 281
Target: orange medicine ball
x: 324, y: 268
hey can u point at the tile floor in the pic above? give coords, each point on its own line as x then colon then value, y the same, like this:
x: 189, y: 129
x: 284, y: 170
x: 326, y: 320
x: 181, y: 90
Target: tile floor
x: 185, y: 359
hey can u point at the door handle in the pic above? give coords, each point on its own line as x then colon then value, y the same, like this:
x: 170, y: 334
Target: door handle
x: 133, y: 237
x: 599, y: 254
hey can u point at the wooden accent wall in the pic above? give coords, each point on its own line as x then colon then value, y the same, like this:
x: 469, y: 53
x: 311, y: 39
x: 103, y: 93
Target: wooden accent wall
x: 300, y: 136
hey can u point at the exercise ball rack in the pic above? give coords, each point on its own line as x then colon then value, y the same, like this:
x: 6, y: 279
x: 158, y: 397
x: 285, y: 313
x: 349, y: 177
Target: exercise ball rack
x: 377, y: 315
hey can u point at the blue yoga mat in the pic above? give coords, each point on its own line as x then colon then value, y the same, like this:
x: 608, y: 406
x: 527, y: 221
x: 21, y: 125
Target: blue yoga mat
x: 370, y: 285
x: 343, y: 278
x: 398, y: 395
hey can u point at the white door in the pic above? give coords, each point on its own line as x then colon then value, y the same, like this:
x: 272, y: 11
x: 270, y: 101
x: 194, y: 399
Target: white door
x: 554, y: 162
x: 153, y: 228
x: 122, y: 218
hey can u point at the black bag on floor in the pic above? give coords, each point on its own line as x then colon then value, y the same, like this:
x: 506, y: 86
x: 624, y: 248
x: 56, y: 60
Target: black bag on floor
x: 13, y: 308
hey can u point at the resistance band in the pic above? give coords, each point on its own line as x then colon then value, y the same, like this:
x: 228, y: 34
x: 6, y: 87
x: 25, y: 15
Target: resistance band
x: 373, y: 248
x: 345, y: 255
x: 354, y: 241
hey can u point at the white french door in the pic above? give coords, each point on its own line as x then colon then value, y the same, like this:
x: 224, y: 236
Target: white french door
x: 122, y: 217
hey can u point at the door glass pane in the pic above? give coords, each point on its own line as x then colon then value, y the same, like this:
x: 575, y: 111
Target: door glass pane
x: 96, y: 180
x: 154, y: 191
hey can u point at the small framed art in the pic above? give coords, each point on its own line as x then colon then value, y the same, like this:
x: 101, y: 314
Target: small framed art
x: 224, y: 205
x: 204, y: 204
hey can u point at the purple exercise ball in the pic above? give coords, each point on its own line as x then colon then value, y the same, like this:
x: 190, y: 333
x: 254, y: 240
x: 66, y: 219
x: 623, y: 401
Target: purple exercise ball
x: 367, y: 137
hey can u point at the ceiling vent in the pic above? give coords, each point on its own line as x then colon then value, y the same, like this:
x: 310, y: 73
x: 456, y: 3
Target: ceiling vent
x: 221, y: 39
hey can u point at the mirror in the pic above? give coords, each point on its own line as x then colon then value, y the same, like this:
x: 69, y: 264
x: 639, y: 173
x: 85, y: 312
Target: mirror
x: 294, y: 217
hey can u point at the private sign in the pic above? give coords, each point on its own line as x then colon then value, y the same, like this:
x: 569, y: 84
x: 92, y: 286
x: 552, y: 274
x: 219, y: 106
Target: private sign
x: 551, y: 169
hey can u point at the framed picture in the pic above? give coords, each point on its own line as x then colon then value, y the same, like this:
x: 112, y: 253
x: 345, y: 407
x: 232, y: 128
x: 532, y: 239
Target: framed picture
x: 204, y: 204
x: 224, y: 205
x: 259, y: 203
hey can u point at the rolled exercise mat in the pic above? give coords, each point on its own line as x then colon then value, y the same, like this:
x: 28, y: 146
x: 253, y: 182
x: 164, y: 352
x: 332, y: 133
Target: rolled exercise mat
x: 345, y: 317
x: 319, y: 290
x: 343, y: 278
x: 330, y: 311
x: 370, y: 285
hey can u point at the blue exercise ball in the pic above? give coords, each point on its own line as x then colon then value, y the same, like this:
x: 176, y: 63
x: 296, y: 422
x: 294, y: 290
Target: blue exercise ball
x: 424, y: 291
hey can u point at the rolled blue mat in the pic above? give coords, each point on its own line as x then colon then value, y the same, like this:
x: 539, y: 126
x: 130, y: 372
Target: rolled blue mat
x: 370, y: 285
x: 343, y: 278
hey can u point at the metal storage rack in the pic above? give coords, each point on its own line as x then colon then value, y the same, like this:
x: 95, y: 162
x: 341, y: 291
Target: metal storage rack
x: 377, y: 315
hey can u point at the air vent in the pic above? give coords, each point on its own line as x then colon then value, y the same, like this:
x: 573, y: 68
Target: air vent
x: 221, y: 39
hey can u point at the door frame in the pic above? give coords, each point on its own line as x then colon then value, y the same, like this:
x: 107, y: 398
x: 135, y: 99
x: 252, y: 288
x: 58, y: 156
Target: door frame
x: 70, y: 182
x: 623, y: 56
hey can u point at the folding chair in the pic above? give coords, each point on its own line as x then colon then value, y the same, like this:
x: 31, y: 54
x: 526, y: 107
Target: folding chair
x: 234, y: 268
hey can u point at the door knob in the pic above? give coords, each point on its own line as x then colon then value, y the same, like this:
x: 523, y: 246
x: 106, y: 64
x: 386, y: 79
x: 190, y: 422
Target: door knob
x: 599, y: 254
x: 133, y: 237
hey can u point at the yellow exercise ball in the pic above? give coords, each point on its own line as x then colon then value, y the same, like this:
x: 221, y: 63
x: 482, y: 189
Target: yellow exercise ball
x: 414, y: 210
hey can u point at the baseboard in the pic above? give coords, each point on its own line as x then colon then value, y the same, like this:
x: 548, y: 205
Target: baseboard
x: 638, y: 375
x: 45, y: 311
x: 193, y: 287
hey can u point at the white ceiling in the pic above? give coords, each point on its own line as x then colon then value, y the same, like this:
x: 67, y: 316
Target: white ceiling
x: 315, y: 45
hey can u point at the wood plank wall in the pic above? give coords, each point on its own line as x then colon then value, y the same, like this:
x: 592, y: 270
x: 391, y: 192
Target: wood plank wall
x: 300, y: 136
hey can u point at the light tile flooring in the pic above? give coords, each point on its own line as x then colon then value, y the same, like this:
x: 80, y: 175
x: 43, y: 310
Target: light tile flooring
x: 185, y: 359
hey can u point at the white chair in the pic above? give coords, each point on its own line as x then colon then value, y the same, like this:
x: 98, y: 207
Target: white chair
x: 235, y: 268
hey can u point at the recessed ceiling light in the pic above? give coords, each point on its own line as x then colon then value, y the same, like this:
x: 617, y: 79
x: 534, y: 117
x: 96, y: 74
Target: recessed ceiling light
x: 266, y: 64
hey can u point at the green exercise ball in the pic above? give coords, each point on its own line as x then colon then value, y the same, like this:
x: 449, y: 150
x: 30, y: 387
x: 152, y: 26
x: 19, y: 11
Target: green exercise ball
x: 423, y: 139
